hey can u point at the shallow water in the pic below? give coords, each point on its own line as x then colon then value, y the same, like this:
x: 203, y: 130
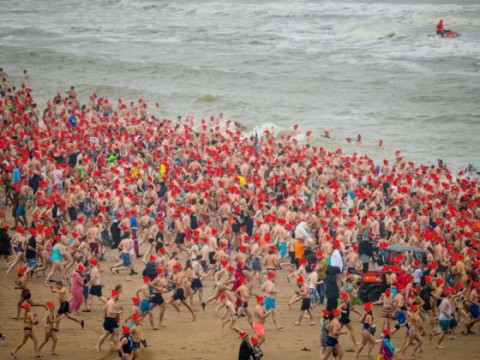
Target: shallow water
x: 369, y: 67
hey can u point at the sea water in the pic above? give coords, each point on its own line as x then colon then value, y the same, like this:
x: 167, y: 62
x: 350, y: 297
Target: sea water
x: 369, y: 67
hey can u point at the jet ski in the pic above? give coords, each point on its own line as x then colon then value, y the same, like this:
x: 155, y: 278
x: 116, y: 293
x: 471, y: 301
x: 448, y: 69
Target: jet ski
x: 450, y: 34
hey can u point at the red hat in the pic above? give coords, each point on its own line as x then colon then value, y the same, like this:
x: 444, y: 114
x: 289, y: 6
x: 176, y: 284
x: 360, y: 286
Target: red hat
x: 125, y: 329
x: 21, y: 270
x: 50, y: 304
x: 254, y: 341
x: 302, y: 261
x: 439, y: 281
x: 300, y: 279
x: 176, y: 267
x: 448, y: 291
x: 224, y: 263
x: 26, y: 305
x: 344, y: 295
x: 230, y: 269
x: 243, y: 334
x: 135, y: 317
x: 428, y: 278
x: 259, y: 299
x: 152, y: 257
x: 159, y: 270
x: 115, y: 293
x: 475, y: 284
x: 388, y: 292
x: 146, y: 279
x: 367, y: 307
x: 80, y: 267
x: 460, y: 286
x: 336, y: 312
x: 222, y: 297
x: 319, y: 254
x: 414, y: 308
x: 326, y: 313
x: 93, y: 262
x: 386, y: 331
x: 271, y: 275
x: 136, y: 300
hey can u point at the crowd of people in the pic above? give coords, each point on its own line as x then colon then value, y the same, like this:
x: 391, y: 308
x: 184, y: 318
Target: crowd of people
x: 186, y: 203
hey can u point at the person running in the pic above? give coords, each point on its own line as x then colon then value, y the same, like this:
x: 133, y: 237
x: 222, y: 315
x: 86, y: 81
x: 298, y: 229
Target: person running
x: 125, y: 344
x: 413, y: 332
x: 327, y: 317
x: 145, y: 300
x: 346, y: 308
x: 241, y: 305
x: 259, y: 317
x: 110, y: 324
x: 474, y: 305
x: 50, y: 332
x: 178, y: 279
x: 25, y: 295
x: 387, y: 350
x: 445, y: 316
x: 30, y: 319
x: 305, y: 308
x: 367, y: 329
x: 386, y: 299
x: 334, y: 331
x: 159, y: 287
x: 230, y: 314
x: 95, y: 285
x: 270, y: 291
x: 64, y: 308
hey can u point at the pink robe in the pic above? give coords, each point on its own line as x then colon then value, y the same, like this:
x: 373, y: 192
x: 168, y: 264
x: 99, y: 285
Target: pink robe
x: 76, y: 288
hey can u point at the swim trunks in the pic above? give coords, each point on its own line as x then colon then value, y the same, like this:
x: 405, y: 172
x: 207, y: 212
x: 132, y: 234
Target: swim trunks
x: 179, y: 294
x: 196, y: 284
x: 269, y: 303
x: 64, y: 308
x: 157, y: 299
x: 145, y: 305
x: 305, y: 304
x: 110, y: 324
x: 259, y: 328
x: 96, y: 290
x: 331, y: 341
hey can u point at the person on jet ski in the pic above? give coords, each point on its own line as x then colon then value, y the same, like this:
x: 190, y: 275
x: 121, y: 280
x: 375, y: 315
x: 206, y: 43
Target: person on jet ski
x: 440, y: 29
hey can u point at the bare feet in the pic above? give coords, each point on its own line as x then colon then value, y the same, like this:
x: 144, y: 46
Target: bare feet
x: 296, y: 323
x: 97, y: 348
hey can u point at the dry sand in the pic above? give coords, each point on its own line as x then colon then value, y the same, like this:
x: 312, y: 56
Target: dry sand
x: 180, y: 338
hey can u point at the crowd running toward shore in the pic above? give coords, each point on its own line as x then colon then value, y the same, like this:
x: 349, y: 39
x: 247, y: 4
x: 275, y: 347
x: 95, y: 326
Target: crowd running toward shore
x: 179, y: 205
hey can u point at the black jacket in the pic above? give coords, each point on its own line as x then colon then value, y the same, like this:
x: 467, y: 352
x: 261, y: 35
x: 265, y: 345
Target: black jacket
x: 331, y: 286
x: 365, y: 248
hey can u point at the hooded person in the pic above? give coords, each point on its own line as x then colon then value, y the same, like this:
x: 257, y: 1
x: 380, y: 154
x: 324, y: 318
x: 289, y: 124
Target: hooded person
x: 332, y: 292
x: 246, y: 350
